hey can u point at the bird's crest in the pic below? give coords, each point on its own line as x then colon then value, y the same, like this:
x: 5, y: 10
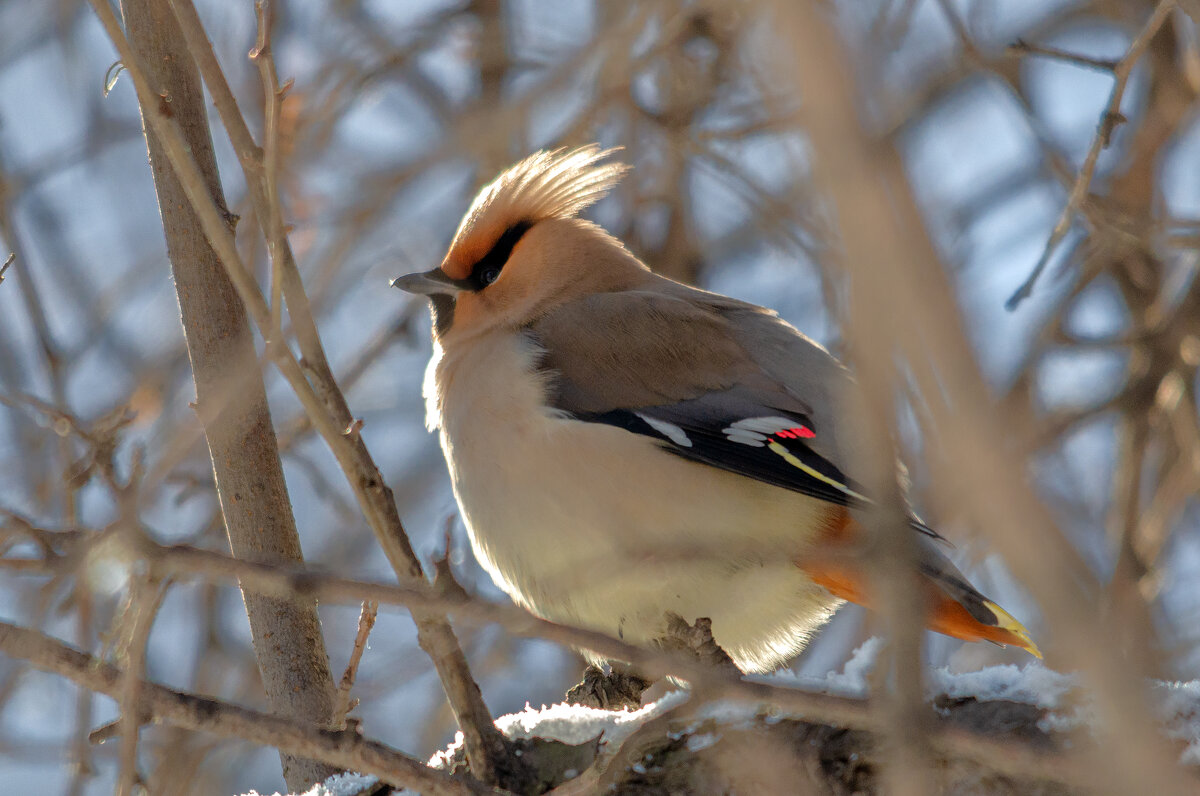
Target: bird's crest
x: 557, y: 183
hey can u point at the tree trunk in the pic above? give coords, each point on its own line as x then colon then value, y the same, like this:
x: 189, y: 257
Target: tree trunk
x: 231, y: 398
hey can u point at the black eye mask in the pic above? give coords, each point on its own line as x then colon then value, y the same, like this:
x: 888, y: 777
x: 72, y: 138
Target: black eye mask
x: 487, y: 270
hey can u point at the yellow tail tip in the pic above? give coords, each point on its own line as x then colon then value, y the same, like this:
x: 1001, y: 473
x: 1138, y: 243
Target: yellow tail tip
x: 1016, y: 629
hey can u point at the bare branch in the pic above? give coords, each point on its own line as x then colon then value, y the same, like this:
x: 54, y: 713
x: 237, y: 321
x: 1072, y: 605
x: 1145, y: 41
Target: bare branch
x: 1110, y: 119
x: 781, y: 172
x: 183, y: 562
x: 140, y: 610
x: 879, y: 222
x: 273, y: 221
x: 344, y: 750
x: 241, y: 440
x: 1022, y: 48
x: 366, y: 621
x: 323, y: 402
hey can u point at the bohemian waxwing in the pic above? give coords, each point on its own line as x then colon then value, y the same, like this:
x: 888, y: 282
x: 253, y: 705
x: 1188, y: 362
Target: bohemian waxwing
x: 625, y: 448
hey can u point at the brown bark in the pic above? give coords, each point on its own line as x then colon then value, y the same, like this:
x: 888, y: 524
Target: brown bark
x: 887, y: 248
x: 231, y: 398
x: 324, y: 404
x: 674, y: 753
x: 346, y: 748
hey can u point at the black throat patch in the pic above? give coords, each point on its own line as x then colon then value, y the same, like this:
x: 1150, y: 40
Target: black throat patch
x: 441, y: 307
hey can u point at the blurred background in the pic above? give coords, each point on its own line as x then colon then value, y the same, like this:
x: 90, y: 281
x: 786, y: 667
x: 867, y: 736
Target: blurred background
x: 398, y: 113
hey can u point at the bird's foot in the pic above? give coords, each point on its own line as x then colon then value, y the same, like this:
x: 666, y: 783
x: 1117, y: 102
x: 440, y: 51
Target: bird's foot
x: 610, y: 690
x: 697, y: 641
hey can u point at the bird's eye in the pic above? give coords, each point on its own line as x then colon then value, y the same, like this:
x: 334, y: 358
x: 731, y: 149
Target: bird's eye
x: 487, y: 268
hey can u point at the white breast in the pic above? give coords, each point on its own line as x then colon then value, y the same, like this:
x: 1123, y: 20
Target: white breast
x: 593, y: 525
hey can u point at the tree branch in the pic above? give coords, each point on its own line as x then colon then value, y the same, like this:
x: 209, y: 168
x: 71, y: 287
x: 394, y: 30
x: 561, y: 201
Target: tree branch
x: 886, y: 244
x: 366, y: 621
x: 1110, y: 119
x: 322, y: 400
x: 1001, y: 756
x: 1022, y: 48
x: 237, y: 423
x: 342, y: 750
x: 137, y: 622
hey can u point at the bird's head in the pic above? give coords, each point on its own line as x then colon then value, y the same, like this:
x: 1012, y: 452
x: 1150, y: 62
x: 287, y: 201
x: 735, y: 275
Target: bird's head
x: 521, y: 249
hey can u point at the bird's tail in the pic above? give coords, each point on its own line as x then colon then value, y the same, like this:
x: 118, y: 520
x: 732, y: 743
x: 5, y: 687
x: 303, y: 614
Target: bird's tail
x: 973, y: 617
x: 955, y: 607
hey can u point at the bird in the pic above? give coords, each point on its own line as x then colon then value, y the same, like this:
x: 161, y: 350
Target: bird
x: 627, y: 451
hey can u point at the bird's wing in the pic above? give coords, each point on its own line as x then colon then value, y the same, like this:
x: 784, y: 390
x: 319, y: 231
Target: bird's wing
x: 729, y: 385
x: 672, y: 364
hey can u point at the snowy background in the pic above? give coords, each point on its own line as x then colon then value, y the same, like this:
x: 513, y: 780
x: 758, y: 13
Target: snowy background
x: 399, y: 111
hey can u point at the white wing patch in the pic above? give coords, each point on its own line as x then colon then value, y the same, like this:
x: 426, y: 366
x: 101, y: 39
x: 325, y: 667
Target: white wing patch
x: 753, y: 431
x: 668, y: 430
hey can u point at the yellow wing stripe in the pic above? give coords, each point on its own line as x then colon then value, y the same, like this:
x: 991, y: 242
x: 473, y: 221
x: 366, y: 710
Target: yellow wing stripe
x: 791, y: 459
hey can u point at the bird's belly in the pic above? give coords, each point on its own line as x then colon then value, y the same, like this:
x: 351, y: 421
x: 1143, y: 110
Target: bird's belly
x: 589, y: 524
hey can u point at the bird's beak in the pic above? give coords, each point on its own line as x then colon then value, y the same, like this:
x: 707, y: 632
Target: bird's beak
x: 429, y: 283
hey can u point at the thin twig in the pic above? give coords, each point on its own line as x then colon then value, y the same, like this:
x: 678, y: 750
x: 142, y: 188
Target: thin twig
x: 1110, y: 119
x: 366, y: 621
x: 1126, y: 606
x: 48, y: 345
x: 1021, y: 48
x: 272, y: 223
x: 81, y: 759
x: 252, y: 160
x: 299, y: 426
x: 138, y: 620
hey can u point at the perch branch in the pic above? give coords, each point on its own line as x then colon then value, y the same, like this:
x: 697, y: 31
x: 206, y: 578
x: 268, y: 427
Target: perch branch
x: 1005, y: 757
x: 345, y: 750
